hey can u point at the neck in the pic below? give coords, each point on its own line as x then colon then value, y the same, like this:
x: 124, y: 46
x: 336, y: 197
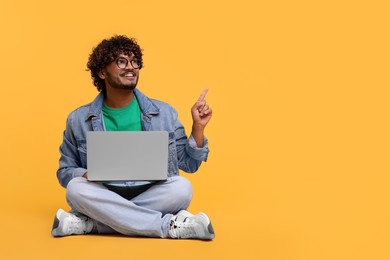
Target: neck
x: 118, y: 98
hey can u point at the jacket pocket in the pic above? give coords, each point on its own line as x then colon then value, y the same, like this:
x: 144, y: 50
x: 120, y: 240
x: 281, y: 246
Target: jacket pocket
x: 82, y: 149
x: 173, y: 166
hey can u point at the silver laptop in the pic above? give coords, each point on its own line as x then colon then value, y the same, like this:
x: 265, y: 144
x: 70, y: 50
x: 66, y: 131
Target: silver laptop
x: 127, y: 155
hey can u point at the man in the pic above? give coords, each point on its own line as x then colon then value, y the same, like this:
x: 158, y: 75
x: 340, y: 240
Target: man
x: 152, y: 209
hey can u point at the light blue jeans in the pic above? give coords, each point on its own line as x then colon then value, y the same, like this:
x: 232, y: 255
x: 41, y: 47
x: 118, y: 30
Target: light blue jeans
x: 147, y: 214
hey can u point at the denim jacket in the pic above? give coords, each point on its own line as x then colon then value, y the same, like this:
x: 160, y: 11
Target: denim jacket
x: 155, y: 116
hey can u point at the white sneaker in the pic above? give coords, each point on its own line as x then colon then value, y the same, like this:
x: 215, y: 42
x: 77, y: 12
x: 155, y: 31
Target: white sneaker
x: 182, y: 215
x: 186, y: 225
x: 66, y: 224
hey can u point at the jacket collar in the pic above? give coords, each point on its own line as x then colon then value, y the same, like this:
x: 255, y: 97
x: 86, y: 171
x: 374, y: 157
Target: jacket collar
x: 148, y: 107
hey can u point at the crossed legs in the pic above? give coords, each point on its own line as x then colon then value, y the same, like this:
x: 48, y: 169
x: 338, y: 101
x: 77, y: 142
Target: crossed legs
x: 147, y: 214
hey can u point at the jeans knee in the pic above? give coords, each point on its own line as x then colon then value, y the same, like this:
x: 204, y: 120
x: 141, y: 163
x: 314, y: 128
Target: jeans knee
x: 74, y: 190
x: 181, y: 193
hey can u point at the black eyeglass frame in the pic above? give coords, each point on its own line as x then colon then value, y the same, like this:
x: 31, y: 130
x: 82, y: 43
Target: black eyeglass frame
x: 133, y: 63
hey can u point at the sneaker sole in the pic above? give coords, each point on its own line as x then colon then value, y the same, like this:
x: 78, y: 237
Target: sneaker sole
x: 209, y: 234
x: 56, y: 224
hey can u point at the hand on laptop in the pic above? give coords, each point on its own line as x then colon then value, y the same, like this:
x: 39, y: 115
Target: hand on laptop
x: 85, y: 175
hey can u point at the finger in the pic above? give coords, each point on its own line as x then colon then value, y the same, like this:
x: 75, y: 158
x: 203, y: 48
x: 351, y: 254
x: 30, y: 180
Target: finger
x: 200, y: 105
x: 201, y: 98
x: 207, y: 112
x: 204, y: 108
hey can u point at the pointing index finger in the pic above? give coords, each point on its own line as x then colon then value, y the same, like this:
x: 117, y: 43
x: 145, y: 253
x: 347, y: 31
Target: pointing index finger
x: 201, y: 98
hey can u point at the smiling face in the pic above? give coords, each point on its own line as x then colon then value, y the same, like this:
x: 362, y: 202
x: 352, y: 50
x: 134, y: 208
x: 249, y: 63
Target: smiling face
x: 118, y: 75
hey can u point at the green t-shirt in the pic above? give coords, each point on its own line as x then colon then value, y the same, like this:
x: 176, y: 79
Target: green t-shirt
x: 123, y: 119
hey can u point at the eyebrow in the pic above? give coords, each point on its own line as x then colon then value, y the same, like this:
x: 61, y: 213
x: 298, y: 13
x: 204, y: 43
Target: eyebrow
x: 132, y: 56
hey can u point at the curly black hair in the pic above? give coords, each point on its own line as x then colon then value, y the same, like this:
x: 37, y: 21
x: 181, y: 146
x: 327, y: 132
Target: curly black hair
x: 109, y: 50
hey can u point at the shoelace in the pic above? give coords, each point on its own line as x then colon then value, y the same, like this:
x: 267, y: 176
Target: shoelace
x: 182, y: 229
x: 76, y: 225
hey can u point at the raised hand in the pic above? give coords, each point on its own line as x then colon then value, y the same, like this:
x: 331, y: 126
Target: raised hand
x: 201, y: 112
x: 201, y: 115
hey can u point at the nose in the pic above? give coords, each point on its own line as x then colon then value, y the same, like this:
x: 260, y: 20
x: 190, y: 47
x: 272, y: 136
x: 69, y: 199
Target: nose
x: 129, y: 65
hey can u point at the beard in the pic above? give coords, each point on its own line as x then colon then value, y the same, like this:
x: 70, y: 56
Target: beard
x: 115, y: 83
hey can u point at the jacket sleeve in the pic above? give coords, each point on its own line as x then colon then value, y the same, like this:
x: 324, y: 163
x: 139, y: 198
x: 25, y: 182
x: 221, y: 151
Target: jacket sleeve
x: 70, y: 162
x: 189, y: 155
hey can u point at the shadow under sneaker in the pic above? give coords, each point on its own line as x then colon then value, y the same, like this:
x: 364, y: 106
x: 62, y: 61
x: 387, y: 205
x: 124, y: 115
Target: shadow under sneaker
x: 186, y: 225
x: 66, y: 224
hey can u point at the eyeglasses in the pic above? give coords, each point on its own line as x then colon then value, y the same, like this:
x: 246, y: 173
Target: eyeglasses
x: 123, y: 62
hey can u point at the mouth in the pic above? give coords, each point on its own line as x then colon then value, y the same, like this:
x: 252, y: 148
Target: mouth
x: 129, y: 75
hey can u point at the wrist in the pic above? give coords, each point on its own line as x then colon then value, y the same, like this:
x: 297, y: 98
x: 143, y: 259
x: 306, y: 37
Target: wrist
x: 198, y: 134
x: 198, y: 127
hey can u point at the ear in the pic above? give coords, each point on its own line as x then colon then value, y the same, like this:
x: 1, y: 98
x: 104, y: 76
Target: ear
x: 102, y: 74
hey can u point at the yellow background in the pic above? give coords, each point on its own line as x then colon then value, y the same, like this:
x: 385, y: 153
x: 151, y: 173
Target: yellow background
x: 299, y: 162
